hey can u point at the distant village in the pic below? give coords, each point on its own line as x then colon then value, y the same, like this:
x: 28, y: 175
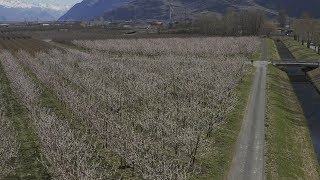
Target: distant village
x: 150, y: 26
x: 85, y: 24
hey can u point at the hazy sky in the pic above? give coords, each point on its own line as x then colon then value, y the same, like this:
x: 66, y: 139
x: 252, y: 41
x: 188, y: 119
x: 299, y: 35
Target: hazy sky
x: 55, y: 2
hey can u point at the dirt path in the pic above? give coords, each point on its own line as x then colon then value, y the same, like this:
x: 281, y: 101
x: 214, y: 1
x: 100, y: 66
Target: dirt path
x: 248, y: 162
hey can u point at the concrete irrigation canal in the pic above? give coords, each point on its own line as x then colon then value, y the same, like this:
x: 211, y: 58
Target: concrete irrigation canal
x: 307, y: 94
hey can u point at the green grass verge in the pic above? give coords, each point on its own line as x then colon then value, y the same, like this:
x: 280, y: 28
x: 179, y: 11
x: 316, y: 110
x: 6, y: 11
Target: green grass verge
x: 290, y: 153
x: 272, y: 50
x: 314, y: 76
x: 301, y: 52
x: 28, y: 160
x: 218, y: 161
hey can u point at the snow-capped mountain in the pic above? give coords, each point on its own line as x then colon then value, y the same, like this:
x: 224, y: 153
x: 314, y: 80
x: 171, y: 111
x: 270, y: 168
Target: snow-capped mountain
x: 21, y: 10
x: 34, y: 4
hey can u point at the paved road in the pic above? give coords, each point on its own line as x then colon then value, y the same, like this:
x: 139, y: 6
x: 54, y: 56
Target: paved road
x: 248, y: 162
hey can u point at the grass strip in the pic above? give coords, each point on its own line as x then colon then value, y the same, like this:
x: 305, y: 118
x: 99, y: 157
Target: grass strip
x: 218, y: 161
x: 314, y: 76
x: 28, y: 160
x: 272, y: 50
x: 300, y: 51
x: 290, y: 153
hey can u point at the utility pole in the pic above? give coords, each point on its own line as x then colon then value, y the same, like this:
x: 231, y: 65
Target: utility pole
x: 135, y: 12
x: 170, y: 11
x: 185, y: 16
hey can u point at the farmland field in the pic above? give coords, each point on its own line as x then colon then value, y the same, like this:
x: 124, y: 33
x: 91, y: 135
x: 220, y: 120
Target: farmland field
x: 112, y: 109
x: 16, y: 42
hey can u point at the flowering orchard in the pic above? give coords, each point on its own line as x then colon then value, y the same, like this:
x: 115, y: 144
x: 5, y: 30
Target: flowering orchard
x: 147, y: 107
x: 218, y: 46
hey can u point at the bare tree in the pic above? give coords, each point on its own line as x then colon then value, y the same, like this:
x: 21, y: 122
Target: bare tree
x: 282, y: 18
x: 208, y: 24
x: 233, y: 23
x: 305, y: 29
x: 316, y: 36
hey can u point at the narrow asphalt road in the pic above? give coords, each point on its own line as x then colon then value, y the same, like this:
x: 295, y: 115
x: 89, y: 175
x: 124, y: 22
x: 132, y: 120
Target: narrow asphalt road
x: 248, y: 162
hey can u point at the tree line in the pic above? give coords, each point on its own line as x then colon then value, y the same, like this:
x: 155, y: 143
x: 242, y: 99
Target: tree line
x: 233, y: 23
x: 307, y: 30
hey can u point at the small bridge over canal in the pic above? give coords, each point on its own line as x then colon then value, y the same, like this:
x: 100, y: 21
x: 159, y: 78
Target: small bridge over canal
x: 305, y: 65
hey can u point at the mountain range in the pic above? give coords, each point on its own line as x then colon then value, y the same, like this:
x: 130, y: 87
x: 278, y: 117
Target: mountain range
x: 90, y: 9
x: 26, y: 10
x: 159, y: 9
x: 28, y: 14
x: 31, y: 10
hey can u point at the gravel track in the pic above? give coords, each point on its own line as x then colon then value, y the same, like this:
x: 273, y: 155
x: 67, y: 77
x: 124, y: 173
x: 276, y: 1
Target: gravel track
x: 248, y: 162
